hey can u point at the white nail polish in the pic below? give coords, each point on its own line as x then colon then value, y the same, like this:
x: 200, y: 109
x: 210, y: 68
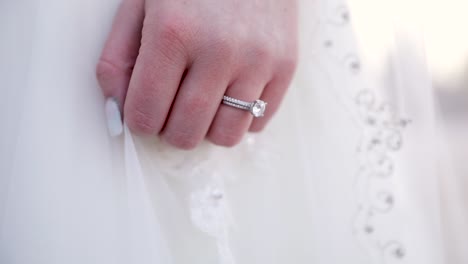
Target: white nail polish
x: 114, y: 118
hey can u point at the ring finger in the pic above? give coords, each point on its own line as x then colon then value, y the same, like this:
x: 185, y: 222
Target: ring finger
x: 230, y: 123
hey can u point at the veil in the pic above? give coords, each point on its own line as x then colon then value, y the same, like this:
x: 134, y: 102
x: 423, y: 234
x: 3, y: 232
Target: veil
x: 353, y: 169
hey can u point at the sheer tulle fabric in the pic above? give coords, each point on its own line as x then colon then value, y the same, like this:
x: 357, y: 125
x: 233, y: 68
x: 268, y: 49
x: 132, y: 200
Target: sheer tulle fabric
x: 348, y: 172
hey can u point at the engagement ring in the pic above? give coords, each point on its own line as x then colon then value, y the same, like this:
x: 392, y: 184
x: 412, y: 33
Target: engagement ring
x: 256, y: 108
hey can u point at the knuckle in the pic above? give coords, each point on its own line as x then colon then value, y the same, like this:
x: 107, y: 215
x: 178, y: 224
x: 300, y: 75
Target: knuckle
x: 197, y: 104
x: 170, y: 34
x: 106, y: 70
x: 256, y: 127
x: 172, y: 29
x: 223, y: 46
x: 262, y: 53
x: 225, y: 138
x: 107, y: 73
x: 181, y: 140
x: 140, y: 122
x: 288, y: 59
x: 288, y: 64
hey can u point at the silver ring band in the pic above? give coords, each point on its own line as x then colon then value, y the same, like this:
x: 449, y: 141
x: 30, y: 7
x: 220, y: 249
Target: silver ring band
x: 256, y: 108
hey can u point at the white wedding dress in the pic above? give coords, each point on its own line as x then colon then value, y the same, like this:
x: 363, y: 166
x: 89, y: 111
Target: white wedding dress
x: 351, y: 170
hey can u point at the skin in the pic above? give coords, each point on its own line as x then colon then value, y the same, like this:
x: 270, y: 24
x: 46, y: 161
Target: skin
x: 169, y: 63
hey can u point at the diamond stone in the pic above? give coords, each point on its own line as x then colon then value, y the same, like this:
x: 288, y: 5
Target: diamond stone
x: 258, y: 108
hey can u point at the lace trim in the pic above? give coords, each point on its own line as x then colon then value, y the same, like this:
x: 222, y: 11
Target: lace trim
x: 381, y: 136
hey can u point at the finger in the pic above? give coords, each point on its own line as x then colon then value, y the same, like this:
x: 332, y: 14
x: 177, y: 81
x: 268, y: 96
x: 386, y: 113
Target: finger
x: 121, y: 50
x: 196, y: 104
x: 230, y: 124
x: 156, y: 78
x: 273, y: 94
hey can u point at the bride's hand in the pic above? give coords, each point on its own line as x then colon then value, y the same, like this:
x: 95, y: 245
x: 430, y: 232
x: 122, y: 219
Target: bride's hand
x: 169, y: 63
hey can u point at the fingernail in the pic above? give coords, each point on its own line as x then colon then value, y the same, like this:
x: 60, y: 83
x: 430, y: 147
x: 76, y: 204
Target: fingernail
x: 114, y: 118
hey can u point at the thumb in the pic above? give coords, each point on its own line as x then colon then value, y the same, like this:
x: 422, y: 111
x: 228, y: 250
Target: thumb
x: 116, y: 63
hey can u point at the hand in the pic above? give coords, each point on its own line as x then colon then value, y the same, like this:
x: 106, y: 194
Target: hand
x: 169, y: 63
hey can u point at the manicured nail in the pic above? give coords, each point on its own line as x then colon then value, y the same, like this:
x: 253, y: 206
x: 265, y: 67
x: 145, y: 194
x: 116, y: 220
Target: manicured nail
x: 114, y: 118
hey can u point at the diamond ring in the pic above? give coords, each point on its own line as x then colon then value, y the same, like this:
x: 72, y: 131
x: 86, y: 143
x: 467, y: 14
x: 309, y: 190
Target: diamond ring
x: 256, y: 108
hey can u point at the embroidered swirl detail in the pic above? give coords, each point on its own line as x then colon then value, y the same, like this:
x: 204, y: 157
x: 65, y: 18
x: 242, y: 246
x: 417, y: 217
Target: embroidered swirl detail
x: 381, y: 135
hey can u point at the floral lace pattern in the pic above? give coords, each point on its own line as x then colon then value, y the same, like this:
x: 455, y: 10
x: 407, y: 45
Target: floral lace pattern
x: 209, y: 210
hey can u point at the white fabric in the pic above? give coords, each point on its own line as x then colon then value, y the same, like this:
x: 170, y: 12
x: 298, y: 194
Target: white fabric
x: 348, y: 172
